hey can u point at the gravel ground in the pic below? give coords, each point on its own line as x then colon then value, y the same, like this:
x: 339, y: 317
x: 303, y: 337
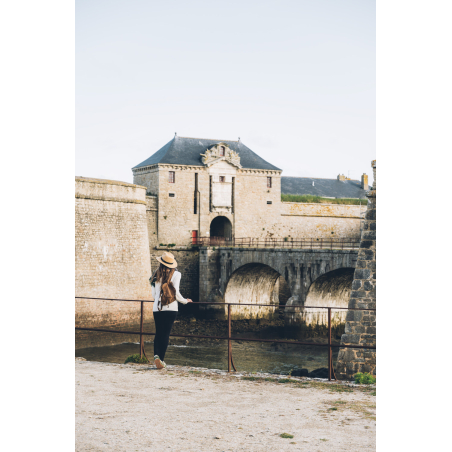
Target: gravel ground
x: 131, y: 407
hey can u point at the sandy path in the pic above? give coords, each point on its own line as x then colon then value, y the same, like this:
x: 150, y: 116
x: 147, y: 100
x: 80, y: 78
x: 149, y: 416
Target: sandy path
x: 137, y: 408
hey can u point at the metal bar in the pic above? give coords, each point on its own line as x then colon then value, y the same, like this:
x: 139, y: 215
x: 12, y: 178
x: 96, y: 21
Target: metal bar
x: 226, y: 338
x: 330, y: 352
x: 141, y: 331
x: 229, y: 339
x: 237, y: 304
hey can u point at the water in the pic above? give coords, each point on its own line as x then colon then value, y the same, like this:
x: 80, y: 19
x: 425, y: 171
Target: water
x: 248, y: 356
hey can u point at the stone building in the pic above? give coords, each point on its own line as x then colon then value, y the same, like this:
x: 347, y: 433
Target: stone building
x: 221, y: 188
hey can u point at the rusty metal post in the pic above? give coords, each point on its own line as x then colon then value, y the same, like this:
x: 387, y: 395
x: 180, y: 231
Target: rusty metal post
x: 330, y: 352
x: 141, y: 331
x: 229, y: 339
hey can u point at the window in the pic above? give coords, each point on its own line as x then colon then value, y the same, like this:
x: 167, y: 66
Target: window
x: 269, y: 202
x: 172, y: 195
x: 222, y: 150
x: 195, y: 207
x: 222, y: 178
x: 269, y: 182
x: 172, y: 177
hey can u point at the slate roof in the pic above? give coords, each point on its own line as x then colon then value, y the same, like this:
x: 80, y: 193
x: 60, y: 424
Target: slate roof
x: 328, y: 188
x: 187, y: 151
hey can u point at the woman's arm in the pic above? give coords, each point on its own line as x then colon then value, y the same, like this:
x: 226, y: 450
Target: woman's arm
x: 176, y: 283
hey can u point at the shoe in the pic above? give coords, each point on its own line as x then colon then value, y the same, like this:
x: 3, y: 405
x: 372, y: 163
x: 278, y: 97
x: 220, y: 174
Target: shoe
x: 159, y: 363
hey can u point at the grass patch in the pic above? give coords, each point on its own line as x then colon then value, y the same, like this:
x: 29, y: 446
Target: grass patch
x: 136, y: 359
x: 339, y: 388
x: 195, y: 372
x: 270, y: 379
x: 285, y: 380
x: 332, y: 409
x: 251, y: 378
x: 286, y: 435
x: 364, y: 378
x: 320, y: 200
x: 323, y: 439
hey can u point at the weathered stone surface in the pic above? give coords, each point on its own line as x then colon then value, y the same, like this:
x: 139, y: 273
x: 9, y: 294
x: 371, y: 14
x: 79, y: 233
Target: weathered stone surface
x: 111, y: 255
x: 362, y: 331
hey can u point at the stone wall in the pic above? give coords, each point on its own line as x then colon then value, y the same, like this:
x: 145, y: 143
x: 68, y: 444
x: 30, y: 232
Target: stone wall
x: 360, y: 327
x: 152, y: 221
x: 111, y: 254
x: 315, y: 220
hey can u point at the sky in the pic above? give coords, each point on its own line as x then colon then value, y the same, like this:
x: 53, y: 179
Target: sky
x: 295, y: 80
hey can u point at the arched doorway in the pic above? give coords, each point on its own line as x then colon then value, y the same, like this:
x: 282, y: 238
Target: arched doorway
x: 253, y: 284
x: 220, y: 230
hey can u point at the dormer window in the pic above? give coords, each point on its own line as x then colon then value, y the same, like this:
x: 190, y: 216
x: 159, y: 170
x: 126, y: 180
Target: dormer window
x: 222, y: 149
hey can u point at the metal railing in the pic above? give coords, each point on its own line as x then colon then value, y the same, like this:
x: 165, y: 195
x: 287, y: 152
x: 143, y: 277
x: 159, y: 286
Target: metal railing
x: 229, y: 337
x: 250, y: 242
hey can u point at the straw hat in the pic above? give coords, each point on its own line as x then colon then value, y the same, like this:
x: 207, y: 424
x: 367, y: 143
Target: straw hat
x: 168, y: 260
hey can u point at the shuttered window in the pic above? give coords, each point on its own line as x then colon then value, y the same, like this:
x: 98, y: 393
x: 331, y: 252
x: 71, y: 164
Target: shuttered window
x: 172, y: 177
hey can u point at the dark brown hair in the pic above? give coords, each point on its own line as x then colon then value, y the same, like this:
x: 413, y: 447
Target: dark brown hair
x: 164, y: 274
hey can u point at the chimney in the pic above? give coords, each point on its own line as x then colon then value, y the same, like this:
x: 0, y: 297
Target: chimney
x: 341, y: 177
x: 365, y: 182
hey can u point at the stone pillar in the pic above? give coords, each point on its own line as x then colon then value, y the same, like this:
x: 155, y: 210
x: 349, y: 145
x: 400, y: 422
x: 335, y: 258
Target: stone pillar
x: 360, y: 326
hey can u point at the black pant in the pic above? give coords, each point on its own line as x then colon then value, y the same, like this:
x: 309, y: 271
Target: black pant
x: 163, y: 323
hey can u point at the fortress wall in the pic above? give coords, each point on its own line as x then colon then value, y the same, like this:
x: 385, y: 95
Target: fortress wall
x: 314, y: 220
x: 253, y: 216
x: 149, y: 178
x: 176, y: 217
x: 152, y: 221
x: 111, y: 255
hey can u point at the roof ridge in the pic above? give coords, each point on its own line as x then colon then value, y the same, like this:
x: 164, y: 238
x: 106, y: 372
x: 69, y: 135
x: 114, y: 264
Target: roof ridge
x: 323, y: 178
x: 210, y: 139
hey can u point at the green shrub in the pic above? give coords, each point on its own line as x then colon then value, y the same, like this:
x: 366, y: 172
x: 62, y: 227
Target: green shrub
x: 136, y: 359
x: 286, y: 435
x: 319, y: 199
x: 364, y: 378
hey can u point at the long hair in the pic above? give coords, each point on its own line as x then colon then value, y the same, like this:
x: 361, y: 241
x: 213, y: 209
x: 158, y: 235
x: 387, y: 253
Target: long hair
x: 164, y: 274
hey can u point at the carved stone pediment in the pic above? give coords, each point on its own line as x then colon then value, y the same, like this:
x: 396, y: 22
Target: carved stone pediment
x: 218, y: 152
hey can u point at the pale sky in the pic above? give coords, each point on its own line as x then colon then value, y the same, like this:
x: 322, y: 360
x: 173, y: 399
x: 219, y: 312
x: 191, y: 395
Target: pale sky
x: 295, y: 80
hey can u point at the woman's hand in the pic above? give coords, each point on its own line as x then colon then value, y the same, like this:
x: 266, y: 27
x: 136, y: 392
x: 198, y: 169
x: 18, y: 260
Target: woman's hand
x: 189, y: 301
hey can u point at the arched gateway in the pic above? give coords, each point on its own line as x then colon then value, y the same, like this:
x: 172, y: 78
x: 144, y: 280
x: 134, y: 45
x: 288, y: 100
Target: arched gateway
x: 220, y: 229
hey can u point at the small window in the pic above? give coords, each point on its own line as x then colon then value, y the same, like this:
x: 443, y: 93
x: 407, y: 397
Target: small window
x: 172, y: 195
x: 269, y: 202
x: 172, y: 177
x: 269, y: 182
x: 222, y: 149
x: 222, y: 178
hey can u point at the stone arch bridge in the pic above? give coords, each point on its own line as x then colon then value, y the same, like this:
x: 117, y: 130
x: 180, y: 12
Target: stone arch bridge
x: 273, y: 276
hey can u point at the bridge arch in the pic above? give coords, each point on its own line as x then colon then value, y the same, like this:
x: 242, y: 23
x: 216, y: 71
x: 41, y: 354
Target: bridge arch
x: 331, y: 289
x: 253, y: 283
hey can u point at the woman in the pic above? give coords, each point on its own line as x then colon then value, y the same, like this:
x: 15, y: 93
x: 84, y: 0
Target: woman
x: 165, y: 314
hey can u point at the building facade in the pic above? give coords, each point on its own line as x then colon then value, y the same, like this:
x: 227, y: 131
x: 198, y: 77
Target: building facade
x: 219, y: 188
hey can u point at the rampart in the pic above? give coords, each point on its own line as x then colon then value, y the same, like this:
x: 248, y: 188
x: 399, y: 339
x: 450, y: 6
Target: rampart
x: 112, y: 257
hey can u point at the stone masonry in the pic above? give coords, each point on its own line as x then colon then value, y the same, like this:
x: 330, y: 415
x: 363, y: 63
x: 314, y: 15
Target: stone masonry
x: 360, y: 327
x: 111, y: 257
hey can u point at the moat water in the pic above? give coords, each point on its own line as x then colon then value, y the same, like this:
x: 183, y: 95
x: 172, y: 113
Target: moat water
x: 248, y: 356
